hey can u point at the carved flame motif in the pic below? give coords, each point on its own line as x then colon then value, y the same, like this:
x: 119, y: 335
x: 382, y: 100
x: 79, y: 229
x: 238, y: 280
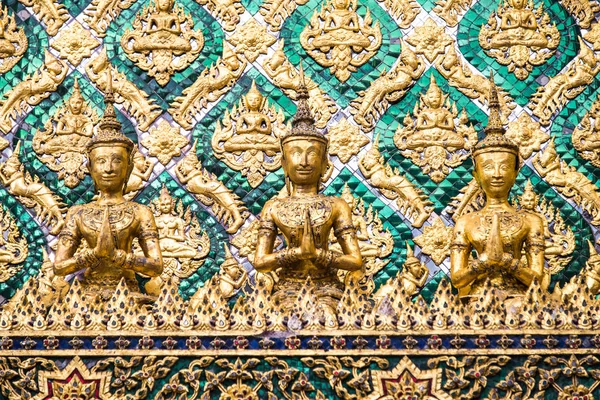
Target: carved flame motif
x: 61, y: 145
x: 13, y: 41
x: 435, y: 138
x: 586, y: 136
x: 162, y: 40
x: 13, y: 246
x: 519, y: 36
x: 248, y: 141
x: 335, y: 38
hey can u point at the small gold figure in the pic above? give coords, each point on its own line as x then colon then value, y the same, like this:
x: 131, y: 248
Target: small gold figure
x: 31, y: 192
x: 498, y: 232
x: 337, y: 40
x: 432, y: 139
x: 162, y: 40
x: 62, y: 143
x: 211, y: 191
x: 232, y: 275
x: 249, y: 138
x: 524, y: 38
x: 411, y: 278
x: 109, y: 224
x: 13, y: 41
x: 306, y: 218
x: 394, y: 186
x: 586, y: 136
x: 142, y: 170
x: 592, y: 270
x: 52, y: 13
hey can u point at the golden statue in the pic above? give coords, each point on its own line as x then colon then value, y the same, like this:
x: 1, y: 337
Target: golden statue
x: 162, y: 40
x: 249, y: 138
x: 62, y: 143
x: 431, y: 138
x: 13, y: 41
x: 141, y: 172
x: 109, y: 224
x: 524, y: 39
x: 498, y: 232
x: 411, y: 278
x: 337, y: 40
x: 306, y: 218
x: 586, y: 135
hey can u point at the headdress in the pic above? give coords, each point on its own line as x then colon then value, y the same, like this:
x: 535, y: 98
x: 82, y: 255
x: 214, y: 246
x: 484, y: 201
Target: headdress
x: 303, y: 123
x: 109, y: 127
x: 254, y: 92
x: 76, y: 92
x: 495, y: 139
x: 434, y: 88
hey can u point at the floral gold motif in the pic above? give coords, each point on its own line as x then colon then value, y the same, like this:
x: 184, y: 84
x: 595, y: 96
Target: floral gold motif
x: 248, y: 141
x: 451, y: 10
x: 286, y: 77
x: 101, y: 13
x: 519, y: 36
x: 134, y: 100
x: 389, y: 87
x: 410, y: 199
x: 75, y: 43
x: 50, y: 12
x: 164, y: 142
x: 211, y: 192
x: 162, y: 40
x: 61, y: 145
x: 429, y: 39
x: 210, y: 85
x: 527, y: 133
x: 435, y: 240
x: 252, y: 39
x: 336, y: 39
x: 586, y: 135
x: 13, y: 246
x: 32, y: 90
x: 346, y: 140
x: 13, y: 41
x: 435, y: 138
x: 226, y: 11
x: 583, y: 10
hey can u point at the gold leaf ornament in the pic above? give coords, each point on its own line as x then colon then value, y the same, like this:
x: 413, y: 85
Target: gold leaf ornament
x: 164, y: 142
x: 75, y: 43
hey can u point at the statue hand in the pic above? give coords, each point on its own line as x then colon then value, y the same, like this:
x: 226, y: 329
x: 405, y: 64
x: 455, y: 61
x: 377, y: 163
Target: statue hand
x: 105, y: 246
x: 493, y: 253
x: 308, y: 250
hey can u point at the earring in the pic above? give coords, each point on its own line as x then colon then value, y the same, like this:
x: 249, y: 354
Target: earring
x: 288, y: 186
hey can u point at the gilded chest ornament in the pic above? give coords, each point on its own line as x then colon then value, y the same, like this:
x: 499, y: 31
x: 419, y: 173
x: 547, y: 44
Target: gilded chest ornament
x: 519, y: 36
x: 336, y: 39
x: 248, y: 139
x: 510, y: 225
x: 61, y: 145
x: 162, y: 40
x: 120, y: 216
x: 435, y: 138
x: 292, y: 214
x: 13, y: 41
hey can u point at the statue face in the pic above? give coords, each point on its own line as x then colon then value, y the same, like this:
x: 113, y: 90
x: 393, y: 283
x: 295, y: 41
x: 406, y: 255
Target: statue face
x: 108, y: 167
x: 433, y: 99
x: 528, y: 201
x: 304, y: 161
x: 165, y: 206
x: 496, y: 173
x: 76, y: 105
x: 518, y: 4
x: 253, y: 102
x: 164, y: 5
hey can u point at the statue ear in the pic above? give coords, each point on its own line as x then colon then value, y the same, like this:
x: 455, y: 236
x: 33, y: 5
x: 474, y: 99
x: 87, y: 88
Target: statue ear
x: 326, y: 170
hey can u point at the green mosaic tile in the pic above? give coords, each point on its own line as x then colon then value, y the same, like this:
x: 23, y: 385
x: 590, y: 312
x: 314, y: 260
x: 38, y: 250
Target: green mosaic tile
x: 212, y: 50
x: 252, y: 6
x: 342, y: 93
x: 521, y: 91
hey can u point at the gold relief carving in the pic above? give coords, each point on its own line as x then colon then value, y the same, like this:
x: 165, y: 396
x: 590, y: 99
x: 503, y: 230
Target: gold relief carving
x: 336, y: 39
x: 583, y: 10
x: 75, y: 43
x: 410, y: 199
x: 430, y: 40
x: 226, y: 11
x: 586, y: 135
x: 140, y: 174
x: 568, y: 181
x: 251, y: 40
x: 31, y: 192
x: 183, y: 243
x: 593, y: 36
x: 13, y: 41
x: 211, y: 192
x: 231, y: 277
x: 551, y: 97
x: 13, y: 246
x: 450, y: 10
x: 31, y: 90
x: 285, y: 76
x: 473, y: 86
x: 249, y: 139
x: 435, y: 138
x: 275, y: 12
x: 134, y: 100
x: 62, y: 143
x: 389, y: 87
x: 523, y: 39
x: 411, y: 278
x: 245, y: 240
x: 164, y: 142
x: 435, y: 240
x: 470, y: 198
x: 346, y: 140
x: 527, y: 134
x: 210, y: 85
x: 101, y: 13
x: 407, y: 381
x: 405, y: 10
x: 162, y: 40
x: 50, y: 12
